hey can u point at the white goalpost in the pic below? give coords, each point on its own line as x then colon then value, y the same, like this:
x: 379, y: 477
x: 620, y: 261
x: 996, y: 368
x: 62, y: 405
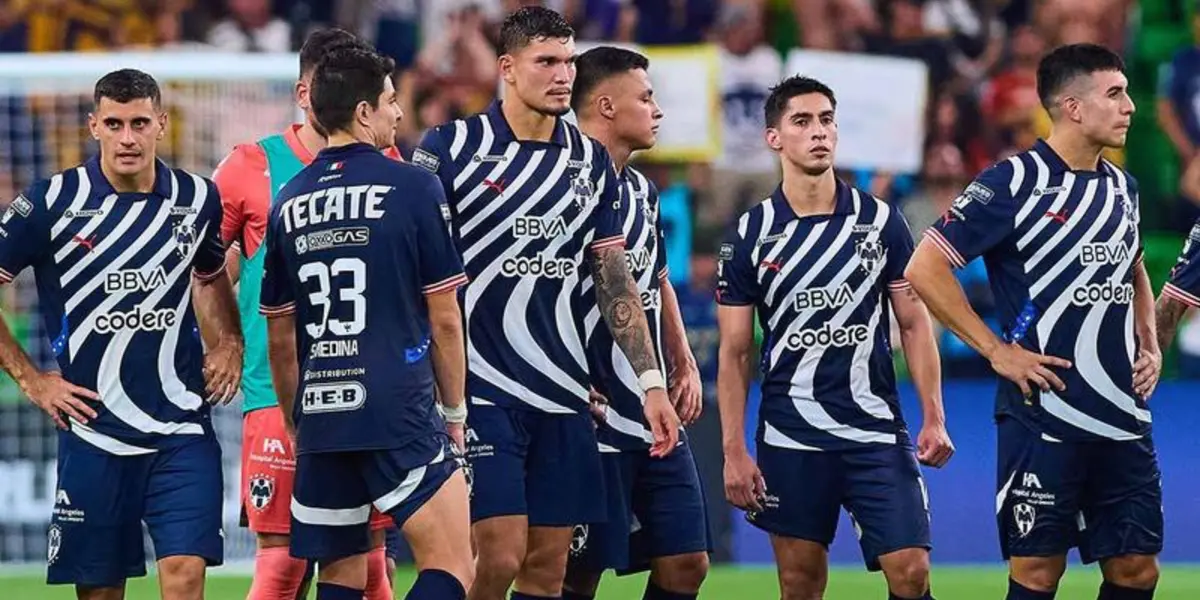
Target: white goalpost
x: 214, y: 101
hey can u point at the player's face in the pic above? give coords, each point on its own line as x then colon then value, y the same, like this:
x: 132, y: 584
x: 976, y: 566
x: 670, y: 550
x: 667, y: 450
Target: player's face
x: 637, y: 114
x: 304, y: 102
x: 128, y: 133
x: 806, y: 135
x: 1105, y: 109
x: 541, y: 74
x: 382, y: 121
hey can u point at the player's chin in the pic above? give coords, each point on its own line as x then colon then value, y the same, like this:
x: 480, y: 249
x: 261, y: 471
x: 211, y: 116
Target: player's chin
x: 557, y: 105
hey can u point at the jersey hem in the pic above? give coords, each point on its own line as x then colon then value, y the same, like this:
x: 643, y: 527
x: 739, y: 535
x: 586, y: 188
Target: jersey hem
x: 277, y: 311
x: 946, y: 247
x: 203, y: 277
x: 1181, y: 295
x: 450, y: 283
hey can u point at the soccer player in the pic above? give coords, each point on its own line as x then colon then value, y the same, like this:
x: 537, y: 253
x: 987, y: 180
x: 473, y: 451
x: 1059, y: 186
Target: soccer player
x: 363, y: 327
x: 128, y: 256
x: 1181, y: 292
x: 822, y: 264
x: 614, y: 102
x: 248, y: 179
x: 535, y: 205
x: 1057, y: 227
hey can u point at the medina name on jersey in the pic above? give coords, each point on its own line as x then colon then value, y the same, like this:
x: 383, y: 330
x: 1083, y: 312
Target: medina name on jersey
x: 820, y: 285
x: 354, y: 244
x: 114, y: 275
x: 524, y: 215
x: 625, y: 427
x: 1061, y: 247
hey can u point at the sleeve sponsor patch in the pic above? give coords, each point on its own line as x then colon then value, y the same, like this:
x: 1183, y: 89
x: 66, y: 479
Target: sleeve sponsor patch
x: 20, y: 206
x: 426, y: 160
x: 978, y: 192
x: 726, y: 252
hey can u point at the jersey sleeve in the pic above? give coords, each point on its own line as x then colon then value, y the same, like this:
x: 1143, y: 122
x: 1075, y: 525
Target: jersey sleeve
x: 209, y: 263
x: 608, y: 232
x: 660, y: 265
x: 24, y: 233
x: 440, y: 268
x: 277, y: 297
x: 980, y: 218
x: 1184, y: 283
x: 239, y: 177
x: 1135, y: 198
x: 898, y: 242
x: 737, y: 281
x: 433, y: 155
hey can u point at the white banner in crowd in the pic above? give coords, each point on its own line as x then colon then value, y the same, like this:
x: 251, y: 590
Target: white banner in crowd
x: 881, y: 106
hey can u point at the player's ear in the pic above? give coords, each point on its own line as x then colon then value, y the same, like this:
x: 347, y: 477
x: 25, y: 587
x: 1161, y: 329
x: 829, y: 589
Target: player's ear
x: 162, y: 124
x: 506, y: 64
x: 773, y: 141
x: 604, y: 105
x: 93, y: 126
x: 301, y: 95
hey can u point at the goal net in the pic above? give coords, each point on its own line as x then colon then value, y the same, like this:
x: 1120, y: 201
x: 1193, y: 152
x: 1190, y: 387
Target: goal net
x: 213, y: 101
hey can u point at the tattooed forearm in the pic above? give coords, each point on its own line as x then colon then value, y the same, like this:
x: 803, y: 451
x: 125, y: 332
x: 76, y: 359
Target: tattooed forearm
x: 1167, y: 313
x: 617, y: 297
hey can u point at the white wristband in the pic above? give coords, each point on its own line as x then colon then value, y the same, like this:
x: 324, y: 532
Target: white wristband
x: 651, y: 380
x: 453, y: 415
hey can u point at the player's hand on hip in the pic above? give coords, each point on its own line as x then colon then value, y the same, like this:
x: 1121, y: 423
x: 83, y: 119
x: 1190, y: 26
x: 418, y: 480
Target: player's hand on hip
x: 458, y: 435
x: 934, y: 447
x: 745, y: 487
x: 1146, y: 371
x: 223, y: 372
x: 58, y: 397
x: 686, y: 393
x: 664, y: 423
x: 1028, y: 369
x: 597, y: 405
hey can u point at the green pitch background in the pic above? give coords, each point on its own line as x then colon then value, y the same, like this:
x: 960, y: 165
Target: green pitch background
x: 949, y: 583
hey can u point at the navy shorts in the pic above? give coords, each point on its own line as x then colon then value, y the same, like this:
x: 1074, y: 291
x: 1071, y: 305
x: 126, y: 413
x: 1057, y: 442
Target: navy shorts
x: 1103, y: 497
x: 542, y: 465
x: 655, y: 508
x: 334, y: 492
x: 95, y: 536
x: 880, y: 486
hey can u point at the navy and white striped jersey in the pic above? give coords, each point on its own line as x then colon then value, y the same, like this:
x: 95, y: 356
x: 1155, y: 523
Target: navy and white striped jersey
x: 1184, y: 284
x: 354, y: 244
x: 1060, y: 248
x: 820, y: 285
x: 612, y: 374
x: 524, y: 213
x: 114, y: 274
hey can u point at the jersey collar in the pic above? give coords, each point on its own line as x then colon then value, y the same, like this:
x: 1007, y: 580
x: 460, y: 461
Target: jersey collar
x: 843, y: 204
x: 102, y: 187
x: 504, y: 134
x: 1057, y: 165
x: 341, y: 152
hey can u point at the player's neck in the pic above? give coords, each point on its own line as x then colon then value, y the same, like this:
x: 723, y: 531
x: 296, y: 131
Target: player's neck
x: 526, y: 124
x: 617, y: 150
x: 138, y: 183
x: 310, y: 139
x: 337, y: 139
x: 1075, y: 150
x: 810, y: 194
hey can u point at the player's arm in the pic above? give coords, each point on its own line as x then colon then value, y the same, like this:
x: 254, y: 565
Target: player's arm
x: 24, y: 232
x: 684, y: 387
x: 737, y: 293
x: 621, y: 306
x: 216, y: 312
x: 441, y: 274
x: 934, y: 447
x: 1180, y: 292
x: 1148, y: 366
x: 979, y: 220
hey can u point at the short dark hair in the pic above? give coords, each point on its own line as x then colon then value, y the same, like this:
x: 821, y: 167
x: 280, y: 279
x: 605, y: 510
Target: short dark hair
x: 127, y: 85
x: 323, y: 41
x: 342, y: 79
x: 598, y: 64
x: 1065, y: 63
x: 531, y: 23
x: 796, y: 85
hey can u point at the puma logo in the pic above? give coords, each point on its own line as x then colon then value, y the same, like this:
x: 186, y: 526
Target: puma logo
x: 497, y: 186
x: 88, y: 244
x: 1060, y: 217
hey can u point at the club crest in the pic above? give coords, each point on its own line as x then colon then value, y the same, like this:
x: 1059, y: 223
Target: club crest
x: 870, y: 254
x: 184, y: 235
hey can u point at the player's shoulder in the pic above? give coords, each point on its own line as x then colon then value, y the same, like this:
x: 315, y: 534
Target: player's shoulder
x: 1125, y: 181
x: 640, y: 183
x: 1004, y: 179
x: 755, y: 222
x: 244, y: 156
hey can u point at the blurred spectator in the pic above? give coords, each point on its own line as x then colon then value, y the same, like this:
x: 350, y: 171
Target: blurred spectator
x: 955, y: 121
x: 833, y: 24
x: 661, y: 22
x: 1178, y: 109
x: 251, y: 26
x: 975, y: 34
x: 459, y: 61
x: 1009, y: 99
x: 905, y: 36
x: 611, y: 20
x: 746, y: 171
x: 83, y: 25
